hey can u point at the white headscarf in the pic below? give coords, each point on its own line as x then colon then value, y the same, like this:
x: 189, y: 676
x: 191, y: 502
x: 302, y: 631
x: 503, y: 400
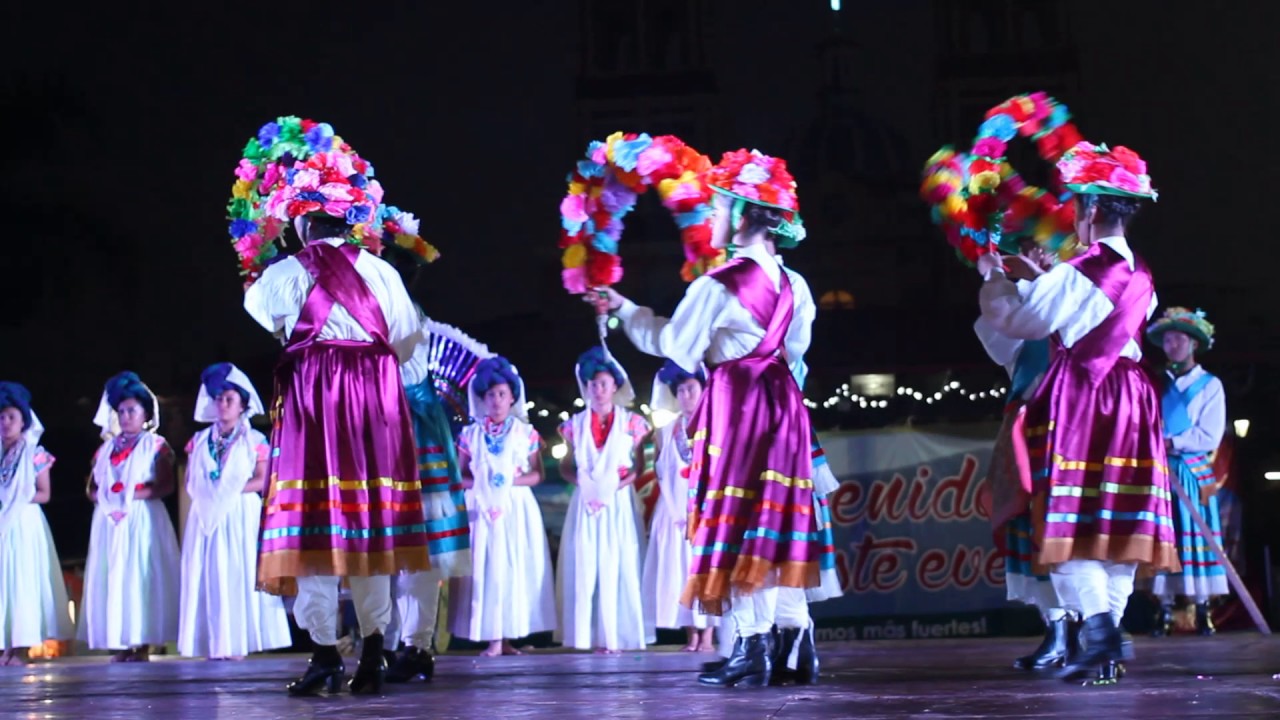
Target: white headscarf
x: 21, y: 488
x: 216, y: 490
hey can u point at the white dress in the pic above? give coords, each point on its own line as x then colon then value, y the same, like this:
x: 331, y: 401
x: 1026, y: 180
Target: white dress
x: 131, y: 576
x: 598, y: 581
x: 511, y: 591
x: 667, y: 560
x: 222, y: 615
x: 33, y: 597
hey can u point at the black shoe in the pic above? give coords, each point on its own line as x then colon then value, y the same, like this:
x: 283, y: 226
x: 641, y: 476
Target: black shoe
x: 1053, y: 650
x: 781, y: 642
x: 1204, y: 620
x: 775, y: 641
x: 1164, y: 622
x: 1103, y: 642
x: 749, y: 666
x: 325, y: 670
x: 412, y: 664
x: 369, y: 674
x: 807, y: 660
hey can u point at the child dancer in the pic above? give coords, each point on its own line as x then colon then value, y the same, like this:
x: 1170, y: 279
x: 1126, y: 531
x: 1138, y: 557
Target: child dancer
x: 598, y: 584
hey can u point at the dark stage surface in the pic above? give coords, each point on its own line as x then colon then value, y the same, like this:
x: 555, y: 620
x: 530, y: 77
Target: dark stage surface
x: 1183, y: 677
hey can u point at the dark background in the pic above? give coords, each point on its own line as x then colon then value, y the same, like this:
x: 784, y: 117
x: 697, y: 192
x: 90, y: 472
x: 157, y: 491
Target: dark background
x: 124, y: 122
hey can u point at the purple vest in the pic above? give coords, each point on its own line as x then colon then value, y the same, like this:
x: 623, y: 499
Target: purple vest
x: 1130, y: 291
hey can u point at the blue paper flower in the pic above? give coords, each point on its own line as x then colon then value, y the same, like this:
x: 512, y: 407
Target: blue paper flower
x: 267, y: 134
x: 240, y: 228
x: 312, y: 195
x: 604, y: 243
x: 627, y: 153
x: 1000, y: 126
x: 589, y: 169
x: 358, y: 180
x: 289, y: 175
x: 696, y: 216
x: 357, y: 214
x: 1058, y: 116
x: 570, y: 226
x: 320, y: 137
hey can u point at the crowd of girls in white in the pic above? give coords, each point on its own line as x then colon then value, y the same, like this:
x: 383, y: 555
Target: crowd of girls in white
x: 616, y: 583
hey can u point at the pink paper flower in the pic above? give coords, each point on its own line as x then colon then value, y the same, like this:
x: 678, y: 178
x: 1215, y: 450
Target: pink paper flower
x: 246, y: 170
x: 572, y: 209
x: 574, y: 279
x: 652, y: 158
x: 1125, y: 180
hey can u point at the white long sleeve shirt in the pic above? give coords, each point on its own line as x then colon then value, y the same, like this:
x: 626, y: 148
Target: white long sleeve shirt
x: 1207, y: 412
x: 1061, y: 301
x: 275, y: 301
x: 711, y: 324
x: 1002, y: 349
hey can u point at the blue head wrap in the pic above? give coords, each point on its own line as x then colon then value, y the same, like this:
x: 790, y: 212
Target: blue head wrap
x: 13, y: 395
x: 495, y: 371
x: 594, y: 361
x: 215, y: 382
x: 673, y: 376
x: 128, y: 385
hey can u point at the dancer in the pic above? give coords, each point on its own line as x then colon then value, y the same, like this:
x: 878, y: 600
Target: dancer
x: 666, y: 563
x: 511, y: 592
x: 132, y: 573
x: 747, y: 320
x: 1195, y: 419
x: 602, y: 544
x: 223, y: 616
x: 448, y: 536
x: 33, y: 597
x: 342, y: 441
x: 1093, y: 427
x: 1026, y: 362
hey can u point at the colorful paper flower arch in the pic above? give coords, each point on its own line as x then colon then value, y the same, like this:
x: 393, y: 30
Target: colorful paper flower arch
x: 981, y: 202
x: 279, y: 147
x: 604, y: 187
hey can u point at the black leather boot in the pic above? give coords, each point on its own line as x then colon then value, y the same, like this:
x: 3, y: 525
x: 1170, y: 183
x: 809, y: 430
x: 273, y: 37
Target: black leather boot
x: 1102, y: 643
x: 749, y: 666
x: 412, y: 664
x: 325, y: 670
x: 807, y: 660
x: 775, y: 641
x: 1204, y: 620
x: 781, y: 642
x: 1164, y: 621
x: 369, y: 674
x: 1053, y: 648
x: 1075, y: 628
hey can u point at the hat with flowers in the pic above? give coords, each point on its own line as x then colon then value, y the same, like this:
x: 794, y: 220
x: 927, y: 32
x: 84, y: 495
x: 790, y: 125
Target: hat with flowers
x: 750, y: 176
x: 1098, y: 169
x: 1193, y: 324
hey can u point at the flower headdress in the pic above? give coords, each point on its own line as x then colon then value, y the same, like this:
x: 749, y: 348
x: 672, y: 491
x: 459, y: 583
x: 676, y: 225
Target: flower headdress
x: 983, y: 204
x: 1098, y: 169
x: 1194, y: 324
x: 327, y: 183
x: 603, y: 189
x: 753, y: 177
x: 256, y: 233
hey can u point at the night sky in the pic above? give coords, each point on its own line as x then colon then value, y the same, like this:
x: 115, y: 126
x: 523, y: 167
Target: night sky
x: 125, y: 122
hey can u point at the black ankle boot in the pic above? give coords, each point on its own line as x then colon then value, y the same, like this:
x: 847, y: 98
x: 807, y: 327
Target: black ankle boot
x: 807, y: 659
x: 324, y: 670
x: 749, y: 666
x: 781, y: 642
x: 412, y: 664
x: 1053, y: 648
x: 1204, y: 619
x: 1102, y: 643
x: 1075, y: 628
x: 368, y: 677
x: 775, y: 641
x: 1164, y: 622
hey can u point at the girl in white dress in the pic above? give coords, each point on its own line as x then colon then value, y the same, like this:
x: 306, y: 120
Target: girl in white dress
x: 222, y: 614
x: 666, y: 563
x: 510, y: 593
x: 131, y: 575
x: 598, y: 582
x: 33, y: 597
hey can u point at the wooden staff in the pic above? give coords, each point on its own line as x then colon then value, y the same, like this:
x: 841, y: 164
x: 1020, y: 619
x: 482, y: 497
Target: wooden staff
x: 1193, y: 509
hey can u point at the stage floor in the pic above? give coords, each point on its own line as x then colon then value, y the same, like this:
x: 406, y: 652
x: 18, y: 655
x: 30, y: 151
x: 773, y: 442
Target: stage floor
x: 1181, y: 677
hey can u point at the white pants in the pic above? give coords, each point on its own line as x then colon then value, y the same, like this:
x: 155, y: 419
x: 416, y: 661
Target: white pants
x: 785, y: 607
x: 1092, y: 587
x: 316, y: 607
x: 418, y: 601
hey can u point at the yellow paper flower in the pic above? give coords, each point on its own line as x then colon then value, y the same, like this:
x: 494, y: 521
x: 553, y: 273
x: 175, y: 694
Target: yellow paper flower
x: 611, y: 142
x: 406, y: 241
x: 577, y: 188
x: 575, y: 256
x: 954, y: 206
x: 983, y: 181
x: 241, y: 189
x: 943, y: 154
x: 427, y: 250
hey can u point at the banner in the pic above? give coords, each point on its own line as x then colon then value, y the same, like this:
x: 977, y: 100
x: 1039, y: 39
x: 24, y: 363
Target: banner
x: 914, y: 549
